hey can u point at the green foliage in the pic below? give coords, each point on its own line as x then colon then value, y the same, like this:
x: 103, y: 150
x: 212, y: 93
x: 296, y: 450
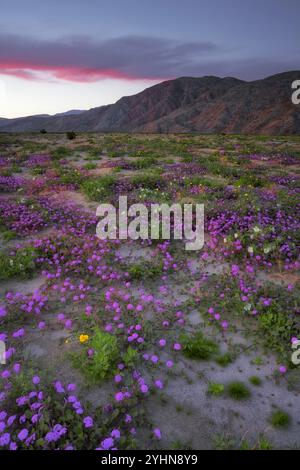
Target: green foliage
x: 254, y: 380
x: 249, y: 180
x: 103, y: 362
x: 151, y: 181
x: 199, y: 180
x: 280, y: 419
x: 60, y: 152
x: 70, y: 176
x: 263, y: 443
x: 180, y: 445
x: 8, y: 235
x: 37, y: 170
x: 97, y: 189
x: 21, y: 264
x: 142, y: 163
x: 238, y: 391
x: 257, y: 361
x: 6, y: 172
x: 215, y: 389
x: 224, y: 359
x: 130, y: 357
x: 71, y: 135
x: 90, y: 166
x: 223, y: 442
x: 277, y: 328
x: 196, y: 346
x: 15, y: 168
x: 145, y: 270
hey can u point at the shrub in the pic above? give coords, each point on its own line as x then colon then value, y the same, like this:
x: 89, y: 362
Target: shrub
x: 37, y: 170
x: 60, y: 152
x: 8, y: 235
x: 130, y: 357
x: 71, y: 135
x: 224, y: 359
x: 98, y: 188
x: 142, y: 163
x: 238, y: 391
x: 215, y: 389
x: 70, y: 176
x: 103, y: 362
x: 90, y: 166
x: 249, y: 180
x: 263, y: 443
x: 277, y: 328
x: 150, y: 181
x: 254, y: 380
x: 280, y: 419
x: 43, y: 131
x: 145, y: 270
x: 196, y: 346
x: 21, y: 264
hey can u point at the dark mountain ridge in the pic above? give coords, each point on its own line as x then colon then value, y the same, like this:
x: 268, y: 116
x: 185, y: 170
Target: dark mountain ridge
x: 207, y: 104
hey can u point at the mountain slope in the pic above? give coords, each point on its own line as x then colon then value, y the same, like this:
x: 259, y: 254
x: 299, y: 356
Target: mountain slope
x: 186, y: 104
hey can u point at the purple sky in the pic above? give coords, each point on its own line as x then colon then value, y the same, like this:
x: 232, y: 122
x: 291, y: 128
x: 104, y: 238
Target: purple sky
x: 70, y: 53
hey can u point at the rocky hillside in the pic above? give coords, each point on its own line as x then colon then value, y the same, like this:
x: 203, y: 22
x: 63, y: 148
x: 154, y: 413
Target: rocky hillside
x: 206, y: 104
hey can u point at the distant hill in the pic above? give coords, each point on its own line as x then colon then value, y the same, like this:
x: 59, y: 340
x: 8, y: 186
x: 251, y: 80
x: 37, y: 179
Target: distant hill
x: 186, y: 104
x: 71, y: 112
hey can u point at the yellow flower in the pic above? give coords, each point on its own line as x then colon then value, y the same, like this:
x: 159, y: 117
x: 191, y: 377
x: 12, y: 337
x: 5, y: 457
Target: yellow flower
x: 83, y: 338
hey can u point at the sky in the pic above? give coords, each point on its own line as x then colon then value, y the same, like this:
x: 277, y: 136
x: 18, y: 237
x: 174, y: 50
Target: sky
x: 57, y: 55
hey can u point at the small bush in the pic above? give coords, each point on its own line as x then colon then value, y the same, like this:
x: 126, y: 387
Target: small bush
x: 37, y: 170
x: 276, y: 326
x: 150, y: 181
x: 21, y: 264
x: 254, y: 380
x: 60, y: 152
x: 249, y: 180
x: 90, y: 166
x: 215, y: 389
x: 145, y: 270
x: 224, y: 359
x: 70, y: 176
x: 71, y: 135
x: 130, y: 357
x: 280, y: 419
x: 263, y: 443
x: 196, y: 346
x: 142, y: 163
x: 8, y: 235
x: 238, y: 391
x: 98, y: 188
x: 104, y: 360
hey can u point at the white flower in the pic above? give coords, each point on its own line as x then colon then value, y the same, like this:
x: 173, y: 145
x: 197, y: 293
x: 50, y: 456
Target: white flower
x: 250, y: 249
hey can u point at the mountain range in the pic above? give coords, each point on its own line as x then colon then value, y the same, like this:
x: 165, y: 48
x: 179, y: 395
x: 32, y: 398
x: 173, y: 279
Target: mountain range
x: 206, y: 105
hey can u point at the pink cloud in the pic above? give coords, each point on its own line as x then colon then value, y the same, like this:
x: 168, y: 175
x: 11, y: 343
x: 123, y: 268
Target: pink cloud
x: 84, y: 60
x: 30, y: 71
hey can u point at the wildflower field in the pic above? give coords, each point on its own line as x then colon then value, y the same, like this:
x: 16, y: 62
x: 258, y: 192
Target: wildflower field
x: 121, y: 344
